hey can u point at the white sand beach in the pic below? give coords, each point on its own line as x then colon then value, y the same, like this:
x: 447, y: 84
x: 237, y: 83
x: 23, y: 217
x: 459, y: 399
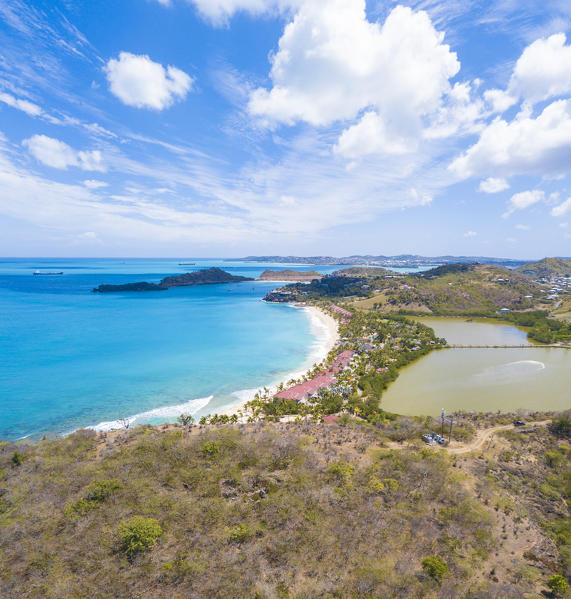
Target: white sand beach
x: 326, y: 332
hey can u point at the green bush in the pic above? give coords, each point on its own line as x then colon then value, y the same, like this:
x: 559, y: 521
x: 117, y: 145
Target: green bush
x: 435, y: 567
x: 239, y: 534
x: 100, y: 490
x: 78, y: 508
x: 561, y: 425
x: 341, y: 470
x: 97, y: 492
x: 139, y: 534
x: 17, y: 459
x: 210, y: 448
x: 558, y: 584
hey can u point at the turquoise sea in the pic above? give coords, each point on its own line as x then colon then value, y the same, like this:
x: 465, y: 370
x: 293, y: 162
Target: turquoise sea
x: 71, y: 358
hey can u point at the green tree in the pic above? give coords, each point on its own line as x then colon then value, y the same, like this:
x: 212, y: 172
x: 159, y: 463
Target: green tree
x: 558, y: 585
x: 239, y: 534
x: 139, y: 534
x: 17, y: 459
x: 210, y: 448
x: 186, y: 420
x: 435, y: 567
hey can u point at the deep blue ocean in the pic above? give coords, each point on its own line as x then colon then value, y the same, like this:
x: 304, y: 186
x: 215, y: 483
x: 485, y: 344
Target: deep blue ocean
x: 71, y: 358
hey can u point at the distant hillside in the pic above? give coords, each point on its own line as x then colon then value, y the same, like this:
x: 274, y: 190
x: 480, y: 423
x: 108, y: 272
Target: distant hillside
x: 548, y: 267
x: 448, y: 289
x: 367, y: 271
x: 403, y: 260
x: 464, y: 289
x: 209, y: 276
x: 290, y: 275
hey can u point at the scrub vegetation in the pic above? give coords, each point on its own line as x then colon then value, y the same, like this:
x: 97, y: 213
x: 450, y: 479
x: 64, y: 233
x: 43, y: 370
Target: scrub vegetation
x: 296, y: 510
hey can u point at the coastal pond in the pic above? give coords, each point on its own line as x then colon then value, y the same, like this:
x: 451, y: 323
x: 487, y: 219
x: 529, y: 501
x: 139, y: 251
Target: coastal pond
x: 482, y: 379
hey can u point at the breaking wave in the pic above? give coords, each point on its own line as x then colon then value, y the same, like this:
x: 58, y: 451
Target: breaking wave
x: 166, y: 412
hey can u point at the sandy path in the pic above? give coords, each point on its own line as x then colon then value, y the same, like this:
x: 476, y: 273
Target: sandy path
x: 482, y: 436
x: 486, y: 434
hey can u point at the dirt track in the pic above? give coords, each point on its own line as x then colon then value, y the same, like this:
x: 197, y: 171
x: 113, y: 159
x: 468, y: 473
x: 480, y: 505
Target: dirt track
x: 486, y: 434
x: 482, y: 436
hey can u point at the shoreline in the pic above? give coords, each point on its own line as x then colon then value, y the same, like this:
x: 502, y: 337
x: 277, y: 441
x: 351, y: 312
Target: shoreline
x: 326, y: 335
x: 318, y: 319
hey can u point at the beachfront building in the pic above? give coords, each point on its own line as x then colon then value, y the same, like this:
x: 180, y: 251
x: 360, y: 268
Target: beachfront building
x: 342, y: 311
x: 308, y: 388
x: 324, y: 380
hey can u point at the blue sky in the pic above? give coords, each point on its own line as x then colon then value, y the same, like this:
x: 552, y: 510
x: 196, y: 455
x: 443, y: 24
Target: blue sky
x: 234, y: 127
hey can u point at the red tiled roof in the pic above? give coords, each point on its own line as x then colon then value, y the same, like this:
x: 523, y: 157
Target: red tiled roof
x: 341, y: 311
x: 299, y: 392
x: 342, y: 360
x: 321, y: 381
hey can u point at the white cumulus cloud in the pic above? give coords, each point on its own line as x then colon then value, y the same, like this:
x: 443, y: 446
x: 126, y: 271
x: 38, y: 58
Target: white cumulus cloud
x: 138, y: 81
x: 543, y: 70
x: 369, y: 136
x: 526, y: 145
x: 563, y: 209
x: 493, y: 185
x: 332, y: 63
x: 524, y: 199
x: 57, y: 154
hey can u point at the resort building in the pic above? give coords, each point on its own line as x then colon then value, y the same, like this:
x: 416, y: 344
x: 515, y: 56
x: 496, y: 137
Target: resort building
x: 341, y: 311
x: 324, y: 380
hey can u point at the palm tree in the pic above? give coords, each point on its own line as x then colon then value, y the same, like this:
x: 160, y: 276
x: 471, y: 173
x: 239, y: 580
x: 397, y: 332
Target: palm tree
x: 187, y: 420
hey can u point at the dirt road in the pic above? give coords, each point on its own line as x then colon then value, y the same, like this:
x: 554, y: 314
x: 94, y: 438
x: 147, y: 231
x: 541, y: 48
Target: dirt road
x: 484, y: 435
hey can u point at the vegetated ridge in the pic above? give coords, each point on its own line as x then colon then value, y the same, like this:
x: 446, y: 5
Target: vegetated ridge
x: 208, y: 276
x: 547, y: 267
x: 448, y: 289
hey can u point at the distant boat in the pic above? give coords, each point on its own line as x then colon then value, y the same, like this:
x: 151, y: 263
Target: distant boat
x: 187, y: 263
x: 39, y: 272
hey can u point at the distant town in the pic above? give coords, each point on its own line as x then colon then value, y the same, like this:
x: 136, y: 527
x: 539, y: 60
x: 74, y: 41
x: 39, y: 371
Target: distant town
x: 399, y: 261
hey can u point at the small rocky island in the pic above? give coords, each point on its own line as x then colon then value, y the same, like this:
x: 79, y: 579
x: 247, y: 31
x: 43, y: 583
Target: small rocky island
x: 209, y: 276
x: 293, y: 276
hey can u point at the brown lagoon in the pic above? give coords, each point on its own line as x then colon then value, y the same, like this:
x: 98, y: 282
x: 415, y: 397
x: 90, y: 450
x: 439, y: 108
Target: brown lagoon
x: 504, y: 379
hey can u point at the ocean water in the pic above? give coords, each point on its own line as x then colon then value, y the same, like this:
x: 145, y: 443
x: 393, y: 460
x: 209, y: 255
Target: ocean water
x: 71, y: 358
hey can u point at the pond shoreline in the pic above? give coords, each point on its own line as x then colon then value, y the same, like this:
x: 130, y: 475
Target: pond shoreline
x: 470, y: 377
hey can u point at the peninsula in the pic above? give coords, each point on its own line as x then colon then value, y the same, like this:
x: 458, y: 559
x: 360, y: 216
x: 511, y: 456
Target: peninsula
x: 209, y: 276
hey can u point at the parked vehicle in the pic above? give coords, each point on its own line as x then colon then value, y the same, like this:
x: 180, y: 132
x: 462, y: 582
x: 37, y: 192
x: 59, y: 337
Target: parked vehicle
x: 520, y: 423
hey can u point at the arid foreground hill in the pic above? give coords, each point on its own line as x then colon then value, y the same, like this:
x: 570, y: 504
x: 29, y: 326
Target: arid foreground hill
x: 293, y: 510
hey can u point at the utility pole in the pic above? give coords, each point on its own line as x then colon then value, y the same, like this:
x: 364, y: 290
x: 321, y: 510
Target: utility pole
x: 444, y: 421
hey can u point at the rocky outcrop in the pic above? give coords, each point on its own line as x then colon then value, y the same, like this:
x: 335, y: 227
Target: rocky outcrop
x: 209, y: 276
